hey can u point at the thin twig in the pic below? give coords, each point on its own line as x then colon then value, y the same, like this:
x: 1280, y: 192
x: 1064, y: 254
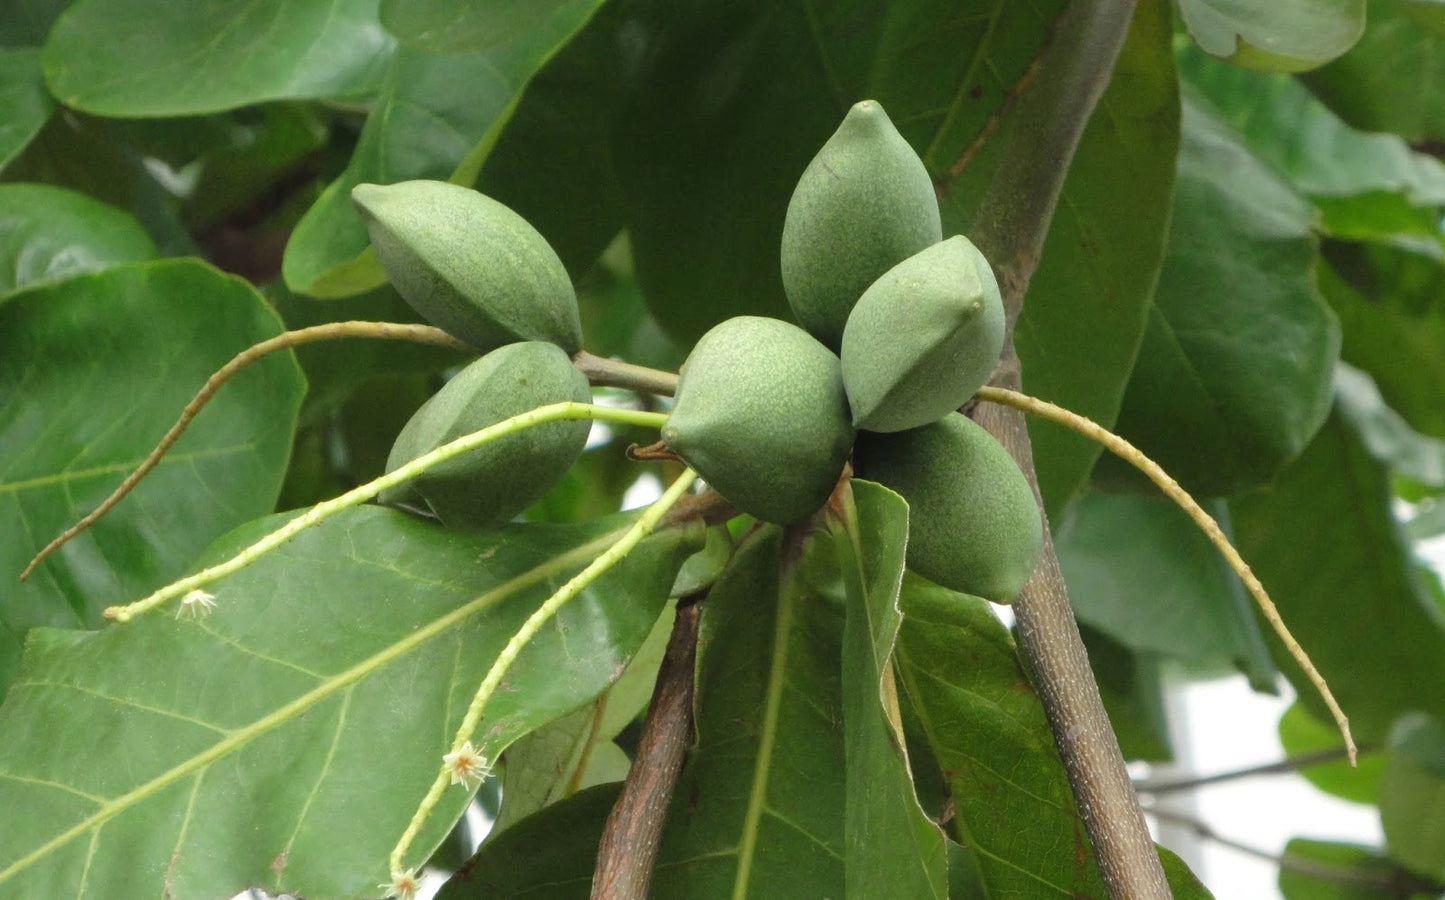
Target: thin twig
x: 1287, y: 766
x: 604, y: 372
x: 1396, y: 882
x: 461, y: 743
x: 634, y: 828
x: 319, y: 513
x: 424, y: 334
x: 1132, y: 455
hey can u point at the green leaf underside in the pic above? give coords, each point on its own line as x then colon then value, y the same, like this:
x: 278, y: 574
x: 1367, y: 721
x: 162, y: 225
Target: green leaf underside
x: 1086, y: 308
x: 134, y: 58
x: 1281, y: 35
x: 1301, y: 733
x: 1233, y: 376
x: 1012, y: 802
x: 1350, y: 591
x: 1141, y: 571
x: 24, y: 102
x: 48, y: 233
x: 759, y: 807
x: 97, y: 368
x: 1337, y: 871
x: 893, y: 849
x: 438, y: 117
x: 341, y: 663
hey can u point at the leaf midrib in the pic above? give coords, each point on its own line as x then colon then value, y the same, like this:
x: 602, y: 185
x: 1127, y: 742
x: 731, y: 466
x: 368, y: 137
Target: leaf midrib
x: 285, y: 713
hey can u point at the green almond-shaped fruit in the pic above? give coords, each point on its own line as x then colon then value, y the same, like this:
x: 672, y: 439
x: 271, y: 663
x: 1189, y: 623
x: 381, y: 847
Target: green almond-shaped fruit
x: 470, y: 265
x: 490, y: 485
x: 923, y: 338
x: 864, y: 204
x: 760, y: 413
x: 973, y: 525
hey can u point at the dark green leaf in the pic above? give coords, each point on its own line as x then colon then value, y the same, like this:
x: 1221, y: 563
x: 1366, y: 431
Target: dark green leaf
x: 343, y: 661
x: 759, y: 809
x: 131, y: 58
x: 547, y: 856
x: 97, y: 368
x: 49, y: 233
x: 1377, y: 86
x: 1319, y: 870
x: 1389, y: 437
x: 83, y: 154
x: 26, y: 22
x: 1140, y: 570
x: 1412, y: 795
x: 1278, y: 35
x: 892, y: 848
x: 1085, y: 312
x: 1132, y: 687
x: 1302, y: 734
x: 1012, y: 802
x: 24, y: 102
x: 1391, y: 302
x: 437, y: 118
x: 1364, y: 183
x: 1329, y: 552
x: 1233, y: 377
x: 445, y: 26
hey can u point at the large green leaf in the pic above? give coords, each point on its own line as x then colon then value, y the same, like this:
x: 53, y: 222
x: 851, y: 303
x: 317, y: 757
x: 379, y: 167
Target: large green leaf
x: 1233, y: 377
x: 437, y: 118
x: 445, y: 26
x: 132, y: 58
x: 24, y: 102
x: 547, y: 856
x: 1087, y: 304
x: 1363, y: 183
x: 284, y: 740
x: 1141, y: 571
x: 97, y: 368
x: 1012, y: 803
x: 1390, y: 298
x: 1386, y: 82
x: 759, y: 809
x: 1325, y: 545
x: 49, y: 233
x: 892, y: 848
x: 1275, y: 35
x: 1412, y: 795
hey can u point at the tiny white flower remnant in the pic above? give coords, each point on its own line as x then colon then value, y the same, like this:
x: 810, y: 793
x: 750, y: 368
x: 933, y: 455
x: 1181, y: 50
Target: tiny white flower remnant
x: 196, y: 605
x: 402, y: 886
x: 468, y: 767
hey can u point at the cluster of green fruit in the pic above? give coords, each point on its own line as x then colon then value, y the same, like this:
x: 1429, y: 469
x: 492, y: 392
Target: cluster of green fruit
x: 900, y: 328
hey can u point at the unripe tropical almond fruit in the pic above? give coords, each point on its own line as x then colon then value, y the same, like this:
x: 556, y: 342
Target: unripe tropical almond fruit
x: 864, y: 204
x: 470, y: 265
x: 488, y: 486
x: 973, y: 525
x: 760, y: 414
x: 923, y: 338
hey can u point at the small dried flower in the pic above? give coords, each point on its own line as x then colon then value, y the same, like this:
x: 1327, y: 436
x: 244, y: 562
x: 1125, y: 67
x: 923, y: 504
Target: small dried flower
x: 468, y: 767
x: 402, y: 886
x: 196, y: 605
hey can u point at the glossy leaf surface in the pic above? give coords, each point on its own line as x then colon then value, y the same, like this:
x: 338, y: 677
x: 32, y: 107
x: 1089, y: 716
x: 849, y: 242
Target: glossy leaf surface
x: 81, y: 405
x: 1279, y: 36
x: 24, y: 102
x: 131, y: 58
x: 358, y: 646
x: 49, y: 233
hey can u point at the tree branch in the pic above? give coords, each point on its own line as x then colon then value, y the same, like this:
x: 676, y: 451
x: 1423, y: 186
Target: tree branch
x: 634, y: 829
x: 1012, y: 220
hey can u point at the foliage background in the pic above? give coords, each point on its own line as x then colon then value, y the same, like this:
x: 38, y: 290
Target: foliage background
x: 1244, y: 277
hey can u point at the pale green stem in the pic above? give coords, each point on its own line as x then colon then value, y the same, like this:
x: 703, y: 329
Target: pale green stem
x: 358, y: 495
x: 1134, y: 456
x: 613, y: 555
